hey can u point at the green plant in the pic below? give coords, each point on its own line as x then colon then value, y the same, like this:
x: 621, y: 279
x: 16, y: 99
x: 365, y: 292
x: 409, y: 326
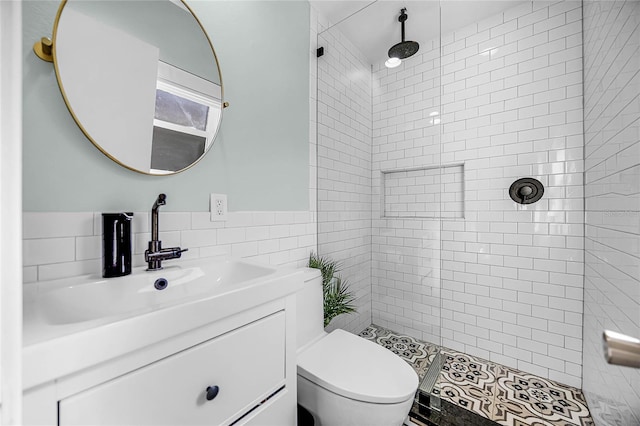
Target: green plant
x: 337, y: 297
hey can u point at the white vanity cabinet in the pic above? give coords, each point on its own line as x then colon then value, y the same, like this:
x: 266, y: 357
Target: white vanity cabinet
x: 249, y: 356
x: 240, y: 368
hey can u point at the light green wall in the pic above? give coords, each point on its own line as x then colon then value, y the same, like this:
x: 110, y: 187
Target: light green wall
x: 260, y: 157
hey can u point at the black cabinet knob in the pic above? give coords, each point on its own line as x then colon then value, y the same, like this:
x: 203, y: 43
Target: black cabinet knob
x: 212, y: 392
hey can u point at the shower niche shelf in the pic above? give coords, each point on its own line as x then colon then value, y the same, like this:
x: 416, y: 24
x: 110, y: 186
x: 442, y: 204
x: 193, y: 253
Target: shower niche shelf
x: 432, y: 192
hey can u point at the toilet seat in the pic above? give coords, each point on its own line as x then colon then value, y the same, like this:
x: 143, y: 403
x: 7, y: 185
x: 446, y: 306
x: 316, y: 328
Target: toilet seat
x: 356, y: 368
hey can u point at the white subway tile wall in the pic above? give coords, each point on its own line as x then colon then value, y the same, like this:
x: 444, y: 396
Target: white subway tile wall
x: 406, y: 251
x: 406, y: 276
x: 507, y: 102
x: 344, y: 168
x: 612, y: 196
x: 61, y: 245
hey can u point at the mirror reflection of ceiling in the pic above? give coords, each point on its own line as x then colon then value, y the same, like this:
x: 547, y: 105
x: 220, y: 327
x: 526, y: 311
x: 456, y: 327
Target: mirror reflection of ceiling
x: 373, y: 27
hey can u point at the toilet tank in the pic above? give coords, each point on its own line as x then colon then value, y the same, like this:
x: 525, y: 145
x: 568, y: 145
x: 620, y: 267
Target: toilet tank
x: 310, y: 309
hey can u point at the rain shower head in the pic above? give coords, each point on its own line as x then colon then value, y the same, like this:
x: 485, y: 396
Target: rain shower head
x: 404, y: 49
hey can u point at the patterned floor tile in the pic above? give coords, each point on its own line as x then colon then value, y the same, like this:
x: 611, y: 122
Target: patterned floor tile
x: 461, y: 368
x: 499, y: 395
x: 526, y: 399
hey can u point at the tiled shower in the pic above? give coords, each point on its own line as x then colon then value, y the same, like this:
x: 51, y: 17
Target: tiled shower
x: 414, y: 165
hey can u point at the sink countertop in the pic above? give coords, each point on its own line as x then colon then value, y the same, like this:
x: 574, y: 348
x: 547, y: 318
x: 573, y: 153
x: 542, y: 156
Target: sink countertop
x: 53, y: 349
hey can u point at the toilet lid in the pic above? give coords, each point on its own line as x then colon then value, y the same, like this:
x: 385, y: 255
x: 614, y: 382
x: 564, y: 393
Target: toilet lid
x: 356, y: 368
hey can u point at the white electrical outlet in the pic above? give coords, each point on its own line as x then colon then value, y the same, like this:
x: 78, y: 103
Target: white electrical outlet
x: 218, y: 207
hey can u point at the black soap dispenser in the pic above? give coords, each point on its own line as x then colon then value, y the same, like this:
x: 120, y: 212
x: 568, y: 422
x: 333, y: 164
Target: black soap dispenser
x: 116, y: 244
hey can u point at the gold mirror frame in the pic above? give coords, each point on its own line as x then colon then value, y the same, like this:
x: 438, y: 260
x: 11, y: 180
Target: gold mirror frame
x: 45, y: 45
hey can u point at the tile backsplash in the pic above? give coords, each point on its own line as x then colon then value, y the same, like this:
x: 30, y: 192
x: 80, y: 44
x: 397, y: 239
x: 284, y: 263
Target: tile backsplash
x: 59, y: 245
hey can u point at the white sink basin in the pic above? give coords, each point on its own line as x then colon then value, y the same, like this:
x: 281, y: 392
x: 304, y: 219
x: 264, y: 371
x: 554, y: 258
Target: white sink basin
x: 91, y: 298
x: 73, y: 324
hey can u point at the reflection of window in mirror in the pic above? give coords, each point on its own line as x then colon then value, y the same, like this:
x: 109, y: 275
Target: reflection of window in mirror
x: 187, y: 114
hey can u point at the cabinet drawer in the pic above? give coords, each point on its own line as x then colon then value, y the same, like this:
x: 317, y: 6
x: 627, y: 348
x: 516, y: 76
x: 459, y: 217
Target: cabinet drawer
x: 246, y: 364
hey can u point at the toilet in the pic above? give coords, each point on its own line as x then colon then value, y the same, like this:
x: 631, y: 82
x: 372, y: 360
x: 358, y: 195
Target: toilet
x: 344, y: 379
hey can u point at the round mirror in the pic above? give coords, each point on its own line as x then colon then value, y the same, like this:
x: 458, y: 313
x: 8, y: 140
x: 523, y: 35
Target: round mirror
x: 141, y: 79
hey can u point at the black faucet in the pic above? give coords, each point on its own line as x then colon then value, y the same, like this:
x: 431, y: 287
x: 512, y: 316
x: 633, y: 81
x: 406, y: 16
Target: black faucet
x: 155, y: 254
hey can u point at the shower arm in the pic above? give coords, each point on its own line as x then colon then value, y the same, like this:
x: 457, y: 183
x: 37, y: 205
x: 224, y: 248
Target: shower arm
x: 402, y: 18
